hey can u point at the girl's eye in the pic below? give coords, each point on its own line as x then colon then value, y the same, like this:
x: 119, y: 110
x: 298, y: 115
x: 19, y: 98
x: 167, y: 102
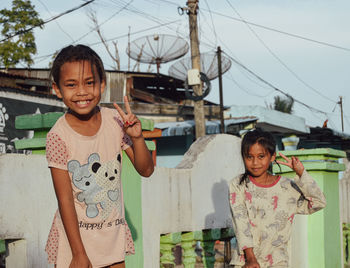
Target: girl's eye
x: 90, y: 83
x: 70, y: 85
x: 261, y: 156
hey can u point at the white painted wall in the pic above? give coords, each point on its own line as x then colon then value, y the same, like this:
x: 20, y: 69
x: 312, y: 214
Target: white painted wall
x: 28, y: 203
x: 193, y: 196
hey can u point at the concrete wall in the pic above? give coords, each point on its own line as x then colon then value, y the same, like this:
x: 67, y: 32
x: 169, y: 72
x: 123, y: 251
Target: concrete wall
x: 193, y: 196
x: 28, y: 203
x: 344, y: 191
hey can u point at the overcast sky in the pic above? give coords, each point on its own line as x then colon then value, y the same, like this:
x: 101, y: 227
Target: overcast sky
x: 315, y: 71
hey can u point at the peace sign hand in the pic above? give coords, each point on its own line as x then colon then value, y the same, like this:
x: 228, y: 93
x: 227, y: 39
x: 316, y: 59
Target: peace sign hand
x: 293, y: 163
x: 131, y: 124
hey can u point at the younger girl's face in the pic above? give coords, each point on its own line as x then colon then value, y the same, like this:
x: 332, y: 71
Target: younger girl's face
x: 79, y: 88
x: 258, y: 160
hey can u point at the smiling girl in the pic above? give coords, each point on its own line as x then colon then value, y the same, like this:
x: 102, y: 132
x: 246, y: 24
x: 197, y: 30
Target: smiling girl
x: 263, y: 205
x: 84, y: 153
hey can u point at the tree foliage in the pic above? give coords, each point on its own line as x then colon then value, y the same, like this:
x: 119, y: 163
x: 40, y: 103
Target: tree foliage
x: 284, y: 105
x: 19, y: 42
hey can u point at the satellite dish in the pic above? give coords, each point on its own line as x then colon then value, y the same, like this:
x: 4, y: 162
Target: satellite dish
x: 209, y: 66
x: 157, y: 49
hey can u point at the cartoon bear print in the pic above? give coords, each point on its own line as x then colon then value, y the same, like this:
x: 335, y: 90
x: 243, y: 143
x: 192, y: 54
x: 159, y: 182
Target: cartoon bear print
x: 109, y: 181
x: 84, y: 180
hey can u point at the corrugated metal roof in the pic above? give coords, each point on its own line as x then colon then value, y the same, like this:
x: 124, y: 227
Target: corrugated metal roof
x: 187, y: 127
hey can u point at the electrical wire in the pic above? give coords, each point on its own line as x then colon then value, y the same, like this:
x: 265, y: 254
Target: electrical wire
x: 269, y: 28
x: 115, y: 38
x: 272, y: 86
x: 95, y: 28
x: 279, y: 59
x: 245, y: 90
x: 212, y: 22
x: 47, y: 21
x: 282, y: 32
x: 59, y: 26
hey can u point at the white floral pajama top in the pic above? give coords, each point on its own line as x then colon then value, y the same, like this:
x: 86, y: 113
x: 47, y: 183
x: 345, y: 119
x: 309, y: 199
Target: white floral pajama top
x: 263, y: 216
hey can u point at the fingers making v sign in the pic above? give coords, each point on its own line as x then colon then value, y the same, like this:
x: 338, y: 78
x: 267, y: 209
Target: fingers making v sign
x: 131, y: 124
x: 294, y: 163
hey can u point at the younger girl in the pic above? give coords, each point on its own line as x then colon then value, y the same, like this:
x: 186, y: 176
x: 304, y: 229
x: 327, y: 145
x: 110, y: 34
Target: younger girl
x: 263, y: 205
x: 84, y: 153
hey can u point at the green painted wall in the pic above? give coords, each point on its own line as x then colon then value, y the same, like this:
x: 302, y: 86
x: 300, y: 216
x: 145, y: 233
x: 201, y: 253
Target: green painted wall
x: 324, y: 234
x: 132, y: 198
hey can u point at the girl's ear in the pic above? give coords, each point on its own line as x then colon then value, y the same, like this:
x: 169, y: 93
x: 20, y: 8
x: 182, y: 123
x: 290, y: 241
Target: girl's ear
x: 57, y: 90
x: 273, y: 157
x: 103, y: 86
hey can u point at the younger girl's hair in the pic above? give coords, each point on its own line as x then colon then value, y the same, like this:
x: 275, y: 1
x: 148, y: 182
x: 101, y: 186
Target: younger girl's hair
x: 77, y: 53
x: 265, y: 139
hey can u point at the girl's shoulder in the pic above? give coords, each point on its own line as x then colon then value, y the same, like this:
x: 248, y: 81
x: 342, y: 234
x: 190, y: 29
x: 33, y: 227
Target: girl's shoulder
x: 236, y: 179
x: 112, y: 118
x: 105, y: 111
x: 59, y: 125
x: 235, y: 182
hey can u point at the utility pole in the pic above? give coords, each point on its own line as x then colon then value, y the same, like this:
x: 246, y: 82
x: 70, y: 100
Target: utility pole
x: 341, y: 112
x: 195, y: 56
x: 129, y: 49
x: 222, y: 123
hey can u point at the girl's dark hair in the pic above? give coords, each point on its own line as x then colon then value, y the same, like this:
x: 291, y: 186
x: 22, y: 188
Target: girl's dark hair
x: 77, y: 53
x: 265, y: 139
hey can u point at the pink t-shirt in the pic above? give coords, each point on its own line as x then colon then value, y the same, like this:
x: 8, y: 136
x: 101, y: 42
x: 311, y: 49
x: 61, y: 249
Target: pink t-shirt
x: 94, y: 166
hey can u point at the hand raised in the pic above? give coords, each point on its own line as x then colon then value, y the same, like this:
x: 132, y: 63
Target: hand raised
x: 294, y: 163
x: 131, y: 124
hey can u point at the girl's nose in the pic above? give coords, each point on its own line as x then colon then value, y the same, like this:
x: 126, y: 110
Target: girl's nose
x: 82, y: 90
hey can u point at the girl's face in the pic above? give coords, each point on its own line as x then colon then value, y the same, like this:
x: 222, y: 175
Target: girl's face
x: 258, y: 160
x: 79, y: 88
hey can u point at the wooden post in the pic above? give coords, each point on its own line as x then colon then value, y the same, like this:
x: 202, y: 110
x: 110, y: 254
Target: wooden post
x: 341, y: 113
x: 222, y: 123
x: 195, y: 56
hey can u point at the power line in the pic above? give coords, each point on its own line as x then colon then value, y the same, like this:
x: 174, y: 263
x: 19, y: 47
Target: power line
x: 279, y: 59
x: 212, y: 22
x: 113, y: 15
x: 47, y: 21
x: 272, y: 86
x: 269, y: 28
x: 118, y: 37
x: 137, y: 32
x: 245, y: 90
x: 280, y: 31
x: 43, y: 4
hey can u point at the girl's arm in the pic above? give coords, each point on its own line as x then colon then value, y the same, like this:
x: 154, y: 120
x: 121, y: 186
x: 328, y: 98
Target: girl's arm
x: 314, y: 197
x: 139, y: 154
x: 240, y: 220
x: 63, y: 189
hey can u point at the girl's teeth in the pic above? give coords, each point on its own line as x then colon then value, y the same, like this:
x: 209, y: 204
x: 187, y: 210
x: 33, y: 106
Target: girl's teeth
x: 82, y: 102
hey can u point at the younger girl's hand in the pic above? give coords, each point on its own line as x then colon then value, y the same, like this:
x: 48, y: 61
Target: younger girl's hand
x: 293, y: 163
x: 132, y: 125
x: 251, y: 264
